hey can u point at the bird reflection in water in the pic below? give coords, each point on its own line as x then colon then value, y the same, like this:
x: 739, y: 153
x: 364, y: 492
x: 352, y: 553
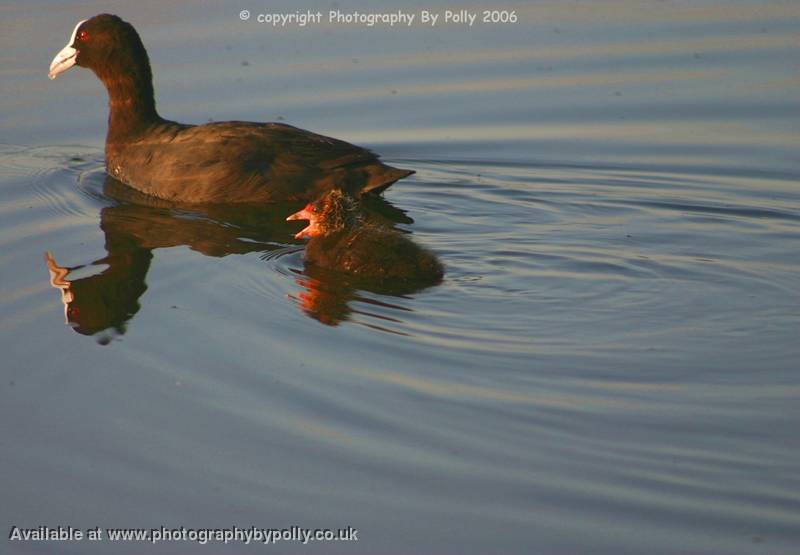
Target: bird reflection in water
x: 103, y: 303
x: 328, y: 297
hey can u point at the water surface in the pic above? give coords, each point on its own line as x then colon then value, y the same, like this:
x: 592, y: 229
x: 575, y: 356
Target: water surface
x: 609, y: 366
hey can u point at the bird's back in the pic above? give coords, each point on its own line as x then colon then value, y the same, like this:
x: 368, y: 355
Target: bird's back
x: 235, y: 161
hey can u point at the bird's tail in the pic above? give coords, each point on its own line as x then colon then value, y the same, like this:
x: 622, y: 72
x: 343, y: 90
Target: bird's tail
x: 382, y: 177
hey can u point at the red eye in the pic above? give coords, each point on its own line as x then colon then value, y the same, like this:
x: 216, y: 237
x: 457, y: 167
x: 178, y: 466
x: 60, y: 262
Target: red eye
x: 83, y: 35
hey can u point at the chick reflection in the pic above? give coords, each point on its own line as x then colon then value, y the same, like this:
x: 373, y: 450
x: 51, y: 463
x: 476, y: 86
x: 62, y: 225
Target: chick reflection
x: 101, y: 303
x: 347, y: 252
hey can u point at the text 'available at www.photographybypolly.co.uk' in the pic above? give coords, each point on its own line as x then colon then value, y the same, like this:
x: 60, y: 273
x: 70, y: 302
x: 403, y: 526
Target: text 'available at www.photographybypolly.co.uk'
x: 252, y: 534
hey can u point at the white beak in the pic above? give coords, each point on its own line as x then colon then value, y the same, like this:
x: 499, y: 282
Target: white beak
x: 63, y: 61
x: 66, y: 58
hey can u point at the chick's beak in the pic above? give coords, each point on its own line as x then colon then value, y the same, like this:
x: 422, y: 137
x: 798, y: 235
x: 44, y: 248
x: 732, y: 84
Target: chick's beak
x: 305, y: 214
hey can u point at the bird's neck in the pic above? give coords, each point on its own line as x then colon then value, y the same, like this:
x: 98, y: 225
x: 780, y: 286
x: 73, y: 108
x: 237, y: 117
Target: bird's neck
x: 131, y: 103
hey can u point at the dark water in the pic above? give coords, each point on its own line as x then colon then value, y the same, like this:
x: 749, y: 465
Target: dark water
x: 609, y: 366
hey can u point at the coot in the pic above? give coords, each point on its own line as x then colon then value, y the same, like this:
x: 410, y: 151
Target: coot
x: 224, y: 162
x: 341, y: 240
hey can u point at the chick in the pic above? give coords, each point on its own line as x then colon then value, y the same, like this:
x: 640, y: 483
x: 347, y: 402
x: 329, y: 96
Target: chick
x: 341, y: 239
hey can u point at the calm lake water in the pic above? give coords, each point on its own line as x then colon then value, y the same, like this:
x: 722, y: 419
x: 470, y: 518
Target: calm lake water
x: 610, y: 365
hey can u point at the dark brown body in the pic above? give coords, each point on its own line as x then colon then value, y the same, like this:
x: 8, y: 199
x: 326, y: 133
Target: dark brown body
x: 239, y: 161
